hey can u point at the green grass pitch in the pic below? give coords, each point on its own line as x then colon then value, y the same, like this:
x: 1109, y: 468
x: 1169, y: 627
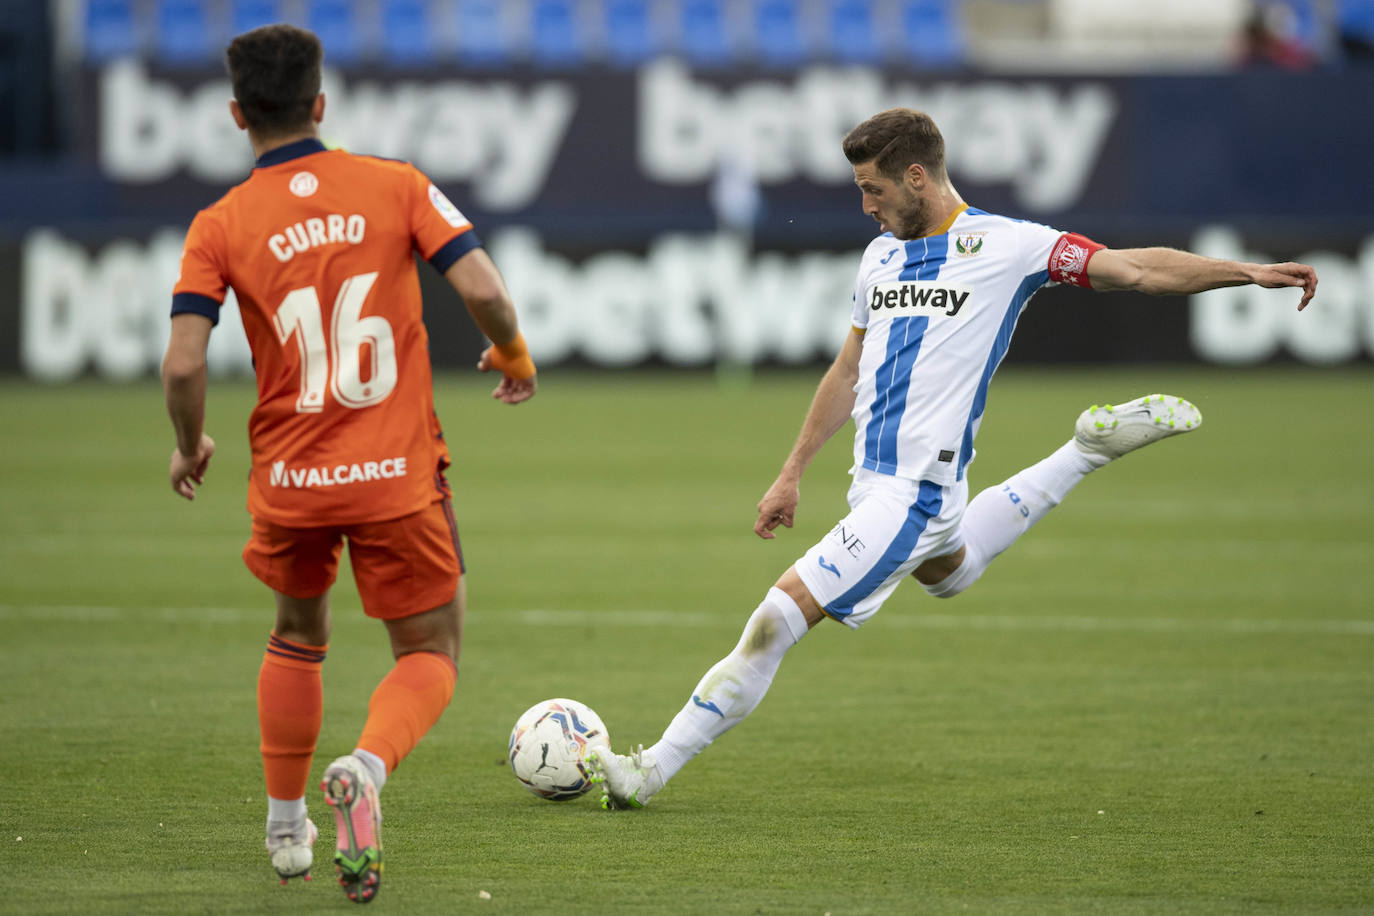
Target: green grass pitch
x: 1161, y: 700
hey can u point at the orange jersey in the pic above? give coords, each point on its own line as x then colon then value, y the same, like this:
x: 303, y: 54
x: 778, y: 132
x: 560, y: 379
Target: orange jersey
x: 318, y: 247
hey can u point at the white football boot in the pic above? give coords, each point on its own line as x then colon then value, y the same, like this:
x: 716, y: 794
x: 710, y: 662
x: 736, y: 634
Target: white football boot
x: 1110, y: 432
x: 624, y: 779
x: 291, y: 848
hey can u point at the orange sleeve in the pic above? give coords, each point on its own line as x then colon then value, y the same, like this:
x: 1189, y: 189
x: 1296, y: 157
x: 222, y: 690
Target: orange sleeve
x: 441, y: 232
x: 202, y: 283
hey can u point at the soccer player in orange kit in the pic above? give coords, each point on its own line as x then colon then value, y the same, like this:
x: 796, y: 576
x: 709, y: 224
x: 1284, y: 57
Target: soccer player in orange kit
x: 318, y: 246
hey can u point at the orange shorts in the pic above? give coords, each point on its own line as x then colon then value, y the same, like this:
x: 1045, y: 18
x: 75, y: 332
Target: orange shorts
x: 404, y: 566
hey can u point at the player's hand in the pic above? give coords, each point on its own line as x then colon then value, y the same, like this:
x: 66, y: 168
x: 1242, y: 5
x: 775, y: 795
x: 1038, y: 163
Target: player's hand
x: 778, y: 507
x: 511, y: 390
x: 515, y: 390
x: 1274, y: 276
x: 188, y: 471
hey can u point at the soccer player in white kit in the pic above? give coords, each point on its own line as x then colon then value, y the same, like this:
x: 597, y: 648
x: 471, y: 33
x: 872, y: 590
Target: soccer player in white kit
x: 936, y: 300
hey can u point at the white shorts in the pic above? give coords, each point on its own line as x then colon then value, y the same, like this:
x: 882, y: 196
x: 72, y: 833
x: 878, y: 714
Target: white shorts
x: 894, y: 525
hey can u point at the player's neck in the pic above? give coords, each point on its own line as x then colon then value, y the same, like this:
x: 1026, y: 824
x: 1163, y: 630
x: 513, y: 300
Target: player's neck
x: 264, y: 145
x: 951, y: 213
x: 946, y: 206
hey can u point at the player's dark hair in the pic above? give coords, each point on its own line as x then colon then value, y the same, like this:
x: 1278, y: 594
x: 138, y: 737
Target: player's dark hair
x: 275, y: 71
x: 894, y: 139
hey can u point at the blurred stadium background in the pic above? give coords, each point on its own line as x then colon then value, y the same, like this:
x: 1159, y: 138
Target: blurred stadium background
x: 1158, y: 704
x: 661, y: 180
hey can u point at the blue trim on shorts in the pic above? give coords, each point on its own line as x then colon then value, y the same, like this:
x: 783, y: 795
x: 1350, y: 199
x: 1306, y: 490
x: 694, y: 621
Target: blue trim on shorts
x: 1028, y: 287
x: 928, y: 503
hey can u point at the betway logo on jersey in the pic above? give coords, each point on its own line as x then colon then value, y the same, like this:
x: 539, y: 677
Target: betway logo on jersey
x: 337, y: 476
x: 918, y: 297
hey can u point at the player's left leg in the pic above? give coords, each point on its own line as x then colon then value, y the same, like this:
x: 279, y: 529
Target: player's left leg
x: 400, y: 564
x: 999, y: 515
x: 290, y: 707
x: 299, y: 565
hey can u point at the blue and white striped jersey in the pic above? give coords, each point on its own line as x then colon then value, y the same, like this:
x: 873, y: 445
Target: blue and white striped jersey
x: 938, y: 314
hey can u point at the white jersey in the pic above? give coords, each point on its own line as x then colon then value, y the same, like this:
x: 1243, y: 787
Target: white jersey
x: 938, y: 314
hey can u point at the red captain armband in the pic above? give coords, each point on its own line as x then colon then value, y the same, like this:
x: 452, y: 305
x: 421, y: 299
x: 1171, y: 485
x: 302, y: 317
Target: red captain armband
x: 1069, y: 258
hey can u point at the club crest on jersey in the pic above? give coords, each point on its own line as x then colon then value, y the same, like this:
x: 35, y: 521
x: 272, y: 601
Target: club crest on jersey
x: 303, y: 184
x: 968, y: 244
x: 918, y: 297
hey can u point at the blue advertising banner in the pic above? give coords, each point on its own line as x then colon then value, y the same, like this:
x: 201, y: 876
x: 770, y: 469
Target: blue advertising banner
x: 666, y: 217
x: 625, y: 153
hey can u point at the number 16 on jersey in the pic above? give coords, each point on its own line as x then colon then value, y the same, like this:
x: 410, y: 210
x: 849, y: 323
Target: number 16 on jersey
x: 338, y: 362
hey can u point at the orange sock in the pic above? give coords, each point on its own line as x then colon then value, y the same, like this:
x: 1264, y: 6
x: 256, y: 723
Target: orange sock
x: 406, y: 704
x: 290, y: 703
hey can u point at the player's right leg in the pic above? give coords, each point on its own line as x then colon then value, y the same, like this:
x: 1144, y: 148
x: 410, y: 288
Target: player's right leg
x: 400, y: 565
x: 1000, y: 514
x: 728, y: 692
x: 299, y: 565
x: 847, y: 576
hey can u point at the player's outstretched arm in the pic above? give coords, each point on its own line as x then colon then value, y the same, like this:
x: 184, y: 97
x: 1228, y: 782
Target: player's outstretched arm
x: 477, y: 280
x: 830, y: 410
x: 183, y: 385
x: 1168, y: 271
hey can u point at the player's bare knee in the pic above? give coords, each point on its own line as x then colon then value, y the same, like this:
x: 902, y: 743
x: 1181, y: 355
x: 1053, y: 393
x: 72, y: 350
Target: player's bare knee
x: 303, y: 620
x: 954, y: 580
x: 437, y: 630
x: 937, y: 569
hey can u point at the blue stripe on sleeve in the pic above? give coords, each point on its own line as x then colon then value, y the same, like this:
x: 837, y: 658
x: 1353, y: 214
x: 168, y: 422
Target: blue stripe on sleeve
x: 1029, y: 285
x: 456, y: 247
x: 196, y: 304
x: 928, y: 502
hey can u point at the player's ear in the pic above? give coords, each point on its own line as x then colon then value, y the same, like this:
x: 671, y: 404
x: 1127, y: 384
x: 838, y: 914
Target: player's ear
x: 237, y: 114
x: 317, y: 110
x: 915, y: 176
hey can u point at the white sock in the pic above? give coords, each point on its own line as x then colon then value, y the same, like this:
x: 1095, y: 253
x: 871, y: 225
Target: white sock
x: 731, y: 689
x: 286, y: 810
x: 999, y: 515
x: 376, y: 766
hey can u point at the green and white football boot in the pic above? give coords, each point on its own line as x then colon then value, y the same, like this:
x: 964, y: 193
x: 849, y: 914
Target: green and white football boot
x: 1110, y: 432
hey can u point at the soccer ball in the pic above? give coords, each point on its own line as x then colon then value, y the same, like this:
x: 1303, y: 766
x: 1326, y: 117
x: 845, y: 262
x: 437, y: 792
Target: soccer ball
x: 548, y: 744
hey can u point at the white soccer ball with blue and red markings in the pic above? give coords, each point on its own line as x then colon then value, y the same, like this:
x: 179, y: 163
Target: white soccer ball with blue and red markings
x: 549, y: 744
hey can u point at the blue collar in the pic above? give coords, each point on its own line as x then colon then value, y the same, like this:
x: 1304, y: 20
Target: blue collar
x: 293, y: 150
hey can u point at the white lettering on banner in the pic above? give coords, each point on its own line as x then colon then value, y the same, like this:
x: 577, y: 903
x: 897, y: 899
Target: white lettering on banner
x: 279, y: 475
x: 500, y: 137
x: 689, y: 300
x: 1247, y: 324
x: 1041, y: 139
x: 108, y: 310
